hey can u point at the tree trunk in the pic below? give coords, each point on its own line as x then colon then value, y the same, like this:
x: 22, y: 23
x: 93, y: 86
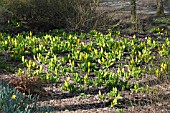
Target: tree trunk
x: 160, y: 8
x: 133, y: 14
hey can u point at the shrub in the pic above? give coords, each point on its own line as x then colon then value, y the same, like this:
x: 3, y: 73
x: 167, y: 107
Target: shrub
x: 70, y: 14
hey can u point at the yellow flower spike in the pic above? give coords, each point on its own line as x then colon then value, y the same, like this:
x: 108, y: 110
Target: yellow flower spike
x: 68, y: 44
x: 118, y: 70
x: 30, y: 34
x: 50, y: 37
x: 139, y: 55
x: 37, y: 73
x: 75, y: 40
x: 13, y: 96
x: 118, y: 32
x: 47, y: 76
x: 134, y: 36
x: 41, y: 68
x: 105, y: 74
x: 153, y: 57
x: 83, y: 44
x: 95, y: 51
x: 88, y: 70
x: 23, y: 59
x: 20, y: 71
x: 36, y: 49
x: 123, y: 70
x: 72, y: 63
x: 16, y: 52
x: 159, y: 49
x: 88, y: 64
x: 53, y: 40
x: 80, y: 56
x: 56, y: 71
x: 75, y: 37
x: 78, y: 41
x: 34, y: 57
x: 33, y: 64
x: 85, y: 78
x: 69, y: 61
x: 103, y: 59
x: 40, y: 47
x: 164, y: 66
x: 78, y: 51
x: 100, y: 44
x: 68, y: 55
x: 105, y: 53
x: 157, y: 72
x: 29, y: 42
x: 132, y: 61
x: 44, y: 48
x: 100, y: 93
x: 72, y: 45
x: 86, y: 56
x: 66, y: 83
x: 139, y: 68
x: 6, y: 42
x: 15, y: 43
x: 132, y: 43
x: 99, y: 61
x: 55, y: 58
x: 101, y: 50
x: 46, y: 37
x: 70, y: 36
x: 51, y: 63
x: 114, y: 101
x: 117, y: 50
x: 58, y: 46
x: 12, y: 41
x: 89, y: 48
x: 41, y: 57
x: 30, y: 62
x: 163, y: 46
x: 28, y: 66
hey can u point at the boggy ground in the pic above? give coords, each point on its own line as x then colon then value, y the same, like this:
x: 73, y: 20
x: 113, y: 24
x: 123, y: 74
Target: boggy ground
x: 88, y: 100
x: 53, y: 99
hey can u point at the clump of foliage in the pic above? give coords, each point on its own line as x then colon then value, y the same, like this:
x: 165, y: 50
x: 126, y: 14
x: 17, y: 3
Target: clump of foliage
x: 13, y: 101
x: 28, y: 85
x: 78, y: 61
